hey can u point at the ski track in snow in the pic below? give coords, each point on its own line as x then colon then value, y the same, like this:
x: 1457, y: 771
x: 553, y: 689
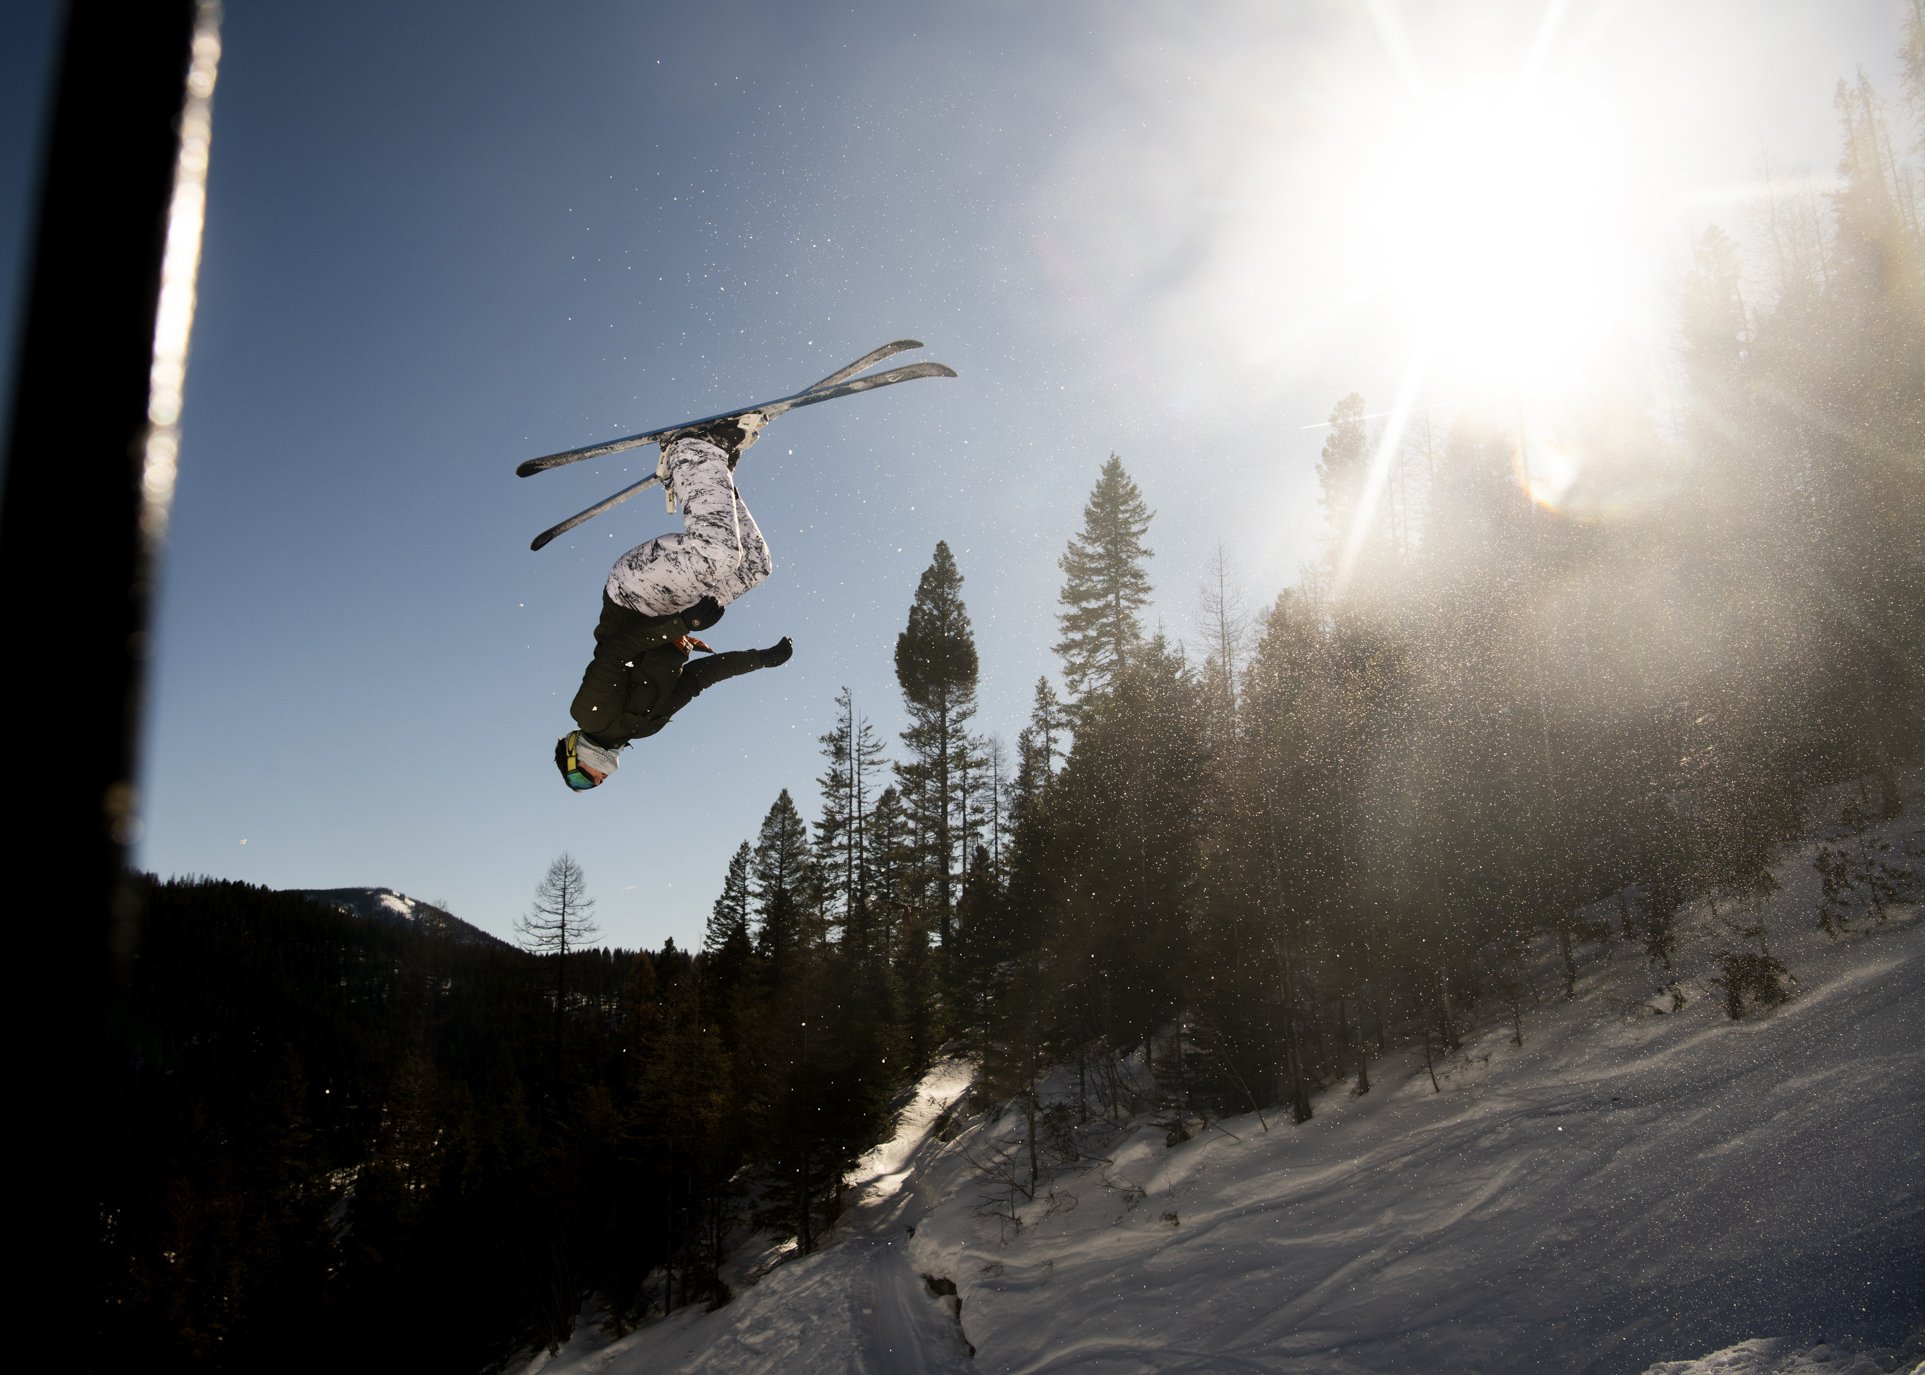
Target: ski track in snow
x: 1624, y: 1193
x: 1761, y: 1177
x: 855, y: 1306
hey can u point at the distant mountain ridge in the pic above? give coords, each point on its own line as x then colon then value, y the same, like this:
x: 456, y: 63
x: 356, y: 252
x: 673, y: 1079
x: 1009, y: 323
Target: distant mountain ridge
x: 398, y: 909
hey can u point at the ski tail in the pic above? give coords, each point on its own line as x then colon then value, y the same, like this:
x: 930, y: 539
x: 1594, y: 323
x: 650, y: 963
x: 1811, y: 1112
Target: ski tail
x: 529, y: 467
x: 606, y: 504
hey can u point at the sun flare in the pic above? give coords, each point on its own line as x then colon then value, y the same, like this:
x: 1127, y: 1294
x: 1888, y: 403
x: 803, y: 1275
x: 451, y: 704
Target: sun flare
x: 1498, y: 221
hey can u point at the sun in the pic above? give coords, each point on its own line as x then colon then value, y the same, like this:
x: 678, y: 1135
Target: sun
x: 1498, y: 223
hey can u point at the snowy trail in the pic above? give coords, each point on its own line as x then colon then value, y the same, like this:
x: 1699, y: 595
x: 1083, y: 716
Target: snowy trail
x: 855, y: 1307
x: 905, y: 1331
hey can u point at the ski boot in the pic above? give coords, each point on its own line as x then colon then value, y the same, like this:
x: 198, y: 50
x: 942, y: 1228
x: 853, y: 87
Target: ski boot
x: 776, y: 654
x: 731, y: 434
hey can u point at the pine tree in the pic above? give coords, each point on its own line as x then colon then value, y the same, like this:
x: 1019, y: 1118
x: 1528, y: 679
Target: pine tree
x: 728, y: 923
x: 981, y: 939
x: 1040, y: 746
x: 890, y: 879
x: 728, y: 951
x: 685, y: 1130
x: 783, y: 881
x: 1001, y: 791
x: 916, y: 977
x: 1342, y: 468
x: 1276, y: 865
x: 1912, y: 64
x: 1713, y: 314
x: 842, y: 834
x: 1105, y: 585
x: 1049, y: 718
x: 975, y: 791
x: 1866, y: 379
x: 936, y: 666
x: 1125, y: 817
x: 1363, y: 528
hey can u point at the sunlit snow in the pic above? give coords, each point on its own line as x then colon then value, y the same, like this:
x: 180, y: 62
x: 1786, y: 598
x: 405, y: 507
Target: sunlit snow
x: 1639, y: 1187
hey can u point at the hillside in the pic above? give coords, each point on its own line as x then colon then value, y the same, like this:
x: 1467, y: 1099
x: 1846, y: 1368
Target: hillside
x: 386, y: 905
x: 1638, y: 1182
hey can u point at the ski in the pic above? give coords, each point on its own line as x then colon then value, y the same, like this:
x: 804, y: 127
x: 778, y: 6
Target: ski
x: 606, y: 505
x: 767, y: 409
x: 836, y: 384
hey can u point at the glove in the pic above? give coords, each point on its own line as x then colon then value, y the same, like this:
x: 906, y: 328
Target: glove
x: 703, y: 614
x: 777, y: 654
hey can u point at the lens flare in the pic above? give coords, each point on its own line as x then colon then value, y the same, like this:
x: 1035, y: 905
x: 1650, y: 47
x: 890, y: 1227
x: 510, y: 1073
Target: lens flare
x: 1549, y: 473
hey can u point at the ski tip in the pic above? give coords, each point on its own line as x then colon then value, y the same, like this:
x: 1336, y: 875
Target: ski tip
x: 942, y: 370
x: 902, y: 345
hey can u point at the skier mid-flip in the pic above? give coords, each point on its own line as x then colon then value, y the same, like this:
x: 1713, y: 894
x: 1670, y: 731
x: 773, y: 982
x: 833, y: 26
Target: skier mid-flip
x: 661, y: 592
x: 658, y: 595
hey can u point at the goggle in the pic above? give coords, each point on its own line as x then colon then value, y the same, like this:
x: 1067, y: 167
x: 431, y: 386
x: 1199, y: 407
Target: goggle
x: 571, y: 769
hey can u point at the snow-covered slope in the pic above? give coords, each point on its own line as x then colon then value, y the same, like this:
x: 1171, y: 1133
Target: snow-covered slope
x: 386, y: 905
x: 1628, y: 1187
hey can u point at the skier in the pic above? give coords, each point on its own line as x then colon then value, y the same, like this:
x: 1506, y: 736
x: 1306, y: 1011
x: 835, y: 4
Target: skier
x: 658, y: 595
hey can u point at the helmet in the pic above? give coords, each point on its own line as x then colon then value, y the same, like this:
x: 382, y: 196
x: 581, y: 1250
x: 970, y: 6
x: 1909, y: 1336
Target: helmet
x: 572, y: 752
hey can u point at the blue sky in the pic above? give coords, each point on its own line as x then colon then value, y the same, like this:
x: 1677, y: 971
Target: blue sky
x: 443, y: 238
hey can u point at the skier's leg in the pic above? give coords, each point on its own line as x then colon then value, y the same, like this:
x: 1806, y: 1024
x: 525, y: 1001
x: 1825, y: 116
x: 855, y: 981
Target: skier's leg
x: 756, y: 563
x: 711, y: 669
x: 719, y: 553
x: 700, y: 674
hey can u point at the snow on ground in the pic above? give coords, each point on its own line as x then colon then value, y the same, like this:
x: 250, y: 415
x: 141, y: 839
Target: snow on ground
x: 881, y: 1173
x: 1627, y: 1191
x: 1766, y: 1357
x: 856, y: 1305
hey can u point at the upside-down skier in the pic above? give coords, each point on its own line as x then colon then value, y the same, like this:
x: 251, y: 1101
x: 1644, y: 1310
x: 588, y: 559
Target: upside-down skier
x: 659, y: 594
